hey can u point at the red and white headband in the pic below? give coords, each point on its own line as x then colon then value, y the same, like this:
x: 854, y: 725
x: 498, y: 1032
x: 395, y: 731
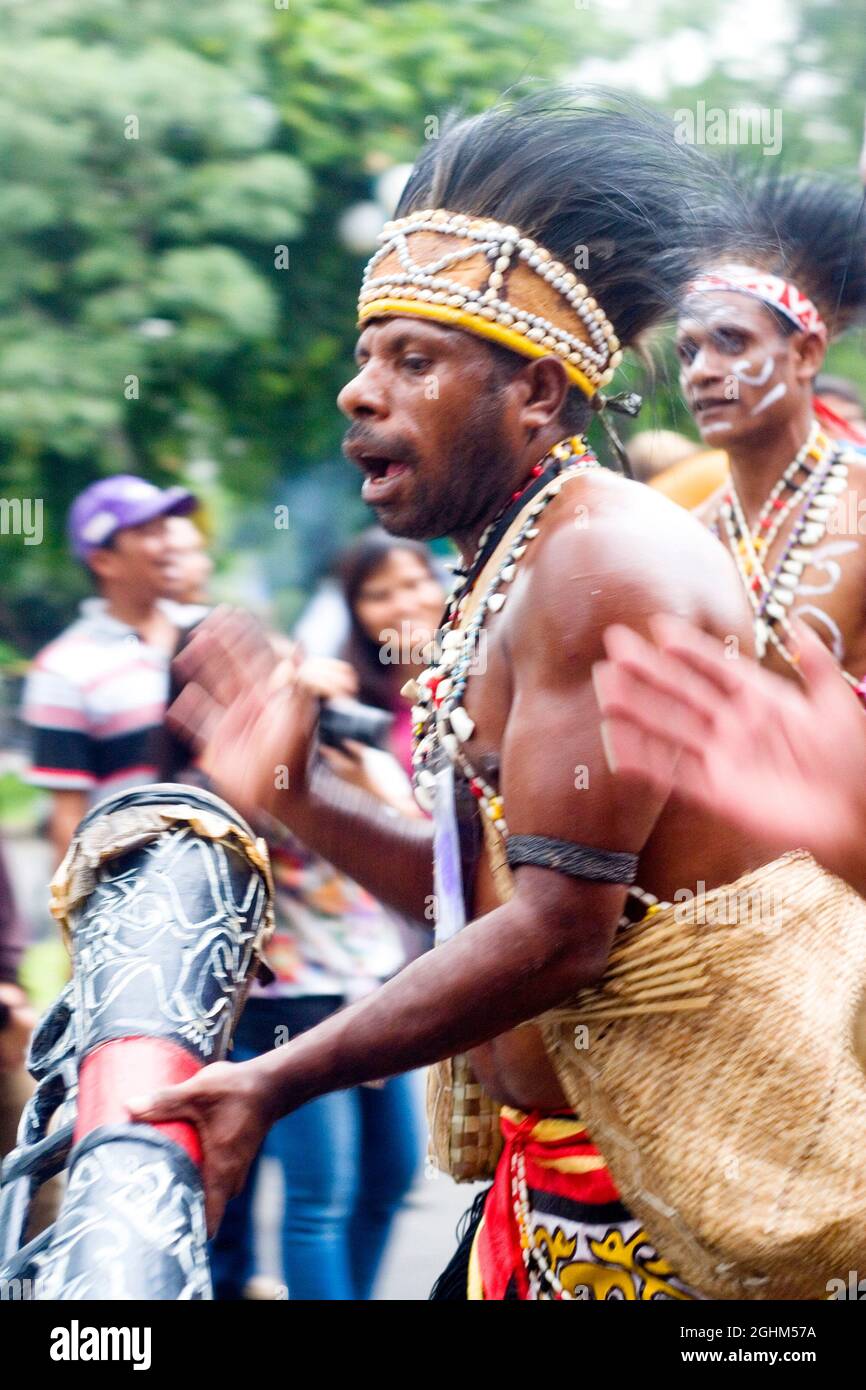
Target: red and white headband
x: 770, y: 289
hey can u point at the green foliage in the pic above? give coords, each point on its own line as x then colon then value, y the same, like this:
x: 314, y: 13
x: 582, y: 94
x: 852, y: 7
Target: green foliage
x: 174, y: 295
x: 171, y: 285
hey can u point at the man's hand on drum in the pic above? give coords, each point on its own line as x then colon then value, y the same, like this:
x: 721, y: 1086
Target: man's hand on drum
x: 780, y: 761
x: 228, y: 1105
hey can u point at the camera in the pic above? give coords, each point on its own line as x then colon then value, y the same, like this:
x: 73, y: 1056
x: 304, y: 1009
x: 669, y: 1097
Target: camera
x: 345, y: 720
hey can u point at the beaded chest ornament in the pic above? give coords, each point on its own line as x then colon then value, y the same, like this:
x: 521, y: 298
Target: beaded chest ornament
x: 812, y: 482
x: 439, y: 719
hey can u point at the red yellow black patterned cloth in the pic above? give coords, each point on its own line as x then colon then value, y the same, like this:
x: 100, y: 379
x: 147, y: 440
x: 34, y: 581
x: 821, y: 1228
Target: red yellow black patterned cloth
x: 576, y: 1223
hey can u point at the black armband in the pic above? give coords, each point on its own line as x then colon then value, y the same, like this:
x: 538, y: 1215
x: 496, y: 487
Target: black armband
x: 578, y: 861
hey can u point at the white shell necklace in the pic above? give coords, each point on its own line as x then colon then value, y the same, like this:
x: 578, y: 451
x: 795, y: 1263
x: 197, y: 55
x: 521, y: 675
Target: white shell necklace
x: 813, y: 481
x: 439, y: 719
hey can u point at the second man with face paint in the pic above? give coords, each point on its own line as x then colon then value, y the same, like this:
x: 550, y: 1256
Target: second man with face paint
x: 752, y: 336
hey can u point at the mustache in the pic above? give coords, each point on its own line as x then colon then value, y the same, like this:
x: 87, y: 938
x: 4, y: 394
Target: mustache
x: 366, y: 438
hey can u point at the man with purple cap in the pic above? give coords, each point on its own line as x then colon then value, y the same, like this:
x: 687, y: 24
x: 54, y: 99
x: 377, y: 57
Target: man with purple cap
x: 96, y: 695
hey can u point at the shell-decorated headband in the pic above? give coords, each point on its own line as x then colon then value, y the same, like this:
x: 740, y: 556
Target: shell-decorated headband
x: 478, y: 275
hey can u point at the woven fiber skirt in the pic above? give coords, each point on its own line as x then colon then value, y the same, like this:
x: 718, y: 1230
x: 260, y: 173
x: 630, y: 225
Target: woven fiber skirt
x: 719, y: 1069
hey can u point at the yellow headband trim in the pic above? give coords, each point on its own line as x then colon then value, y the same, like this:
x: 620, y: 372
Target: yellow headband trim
x: 473, y: 323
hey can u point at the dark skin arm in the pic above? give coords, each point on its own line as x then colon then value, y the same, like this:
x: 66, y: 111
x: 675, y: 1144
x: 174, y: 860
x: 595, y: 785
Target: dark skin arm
x: 782, y: 762
x: 550, y: 939
x: 365, y: 839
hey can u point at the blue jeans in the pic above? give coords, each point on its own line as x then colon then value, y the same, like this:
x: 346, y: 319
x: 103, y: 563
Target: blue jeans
x: 347, y: 1159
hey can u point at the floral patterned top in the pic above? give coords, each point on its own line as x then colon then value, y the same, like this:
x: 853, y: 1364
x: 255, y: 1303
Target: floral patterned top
x: 332, y: 936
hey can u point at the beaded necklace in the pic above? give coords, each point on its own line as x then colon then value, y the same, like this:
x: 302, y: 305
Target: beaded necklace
x: 439, y: 720
x: 812, y: 481
x: 493, y: 532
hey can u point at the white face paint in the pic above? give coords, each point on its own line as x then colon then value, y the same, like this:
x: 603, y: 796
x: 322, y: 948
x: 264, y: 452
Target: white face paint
x: 774, y: 394
x: 709, y: 310
x: 743, y: 370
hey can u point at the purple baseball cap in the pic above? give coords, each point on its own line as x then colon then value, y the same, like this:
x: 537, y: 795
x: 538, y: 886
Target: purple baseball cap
x: 112, y: 504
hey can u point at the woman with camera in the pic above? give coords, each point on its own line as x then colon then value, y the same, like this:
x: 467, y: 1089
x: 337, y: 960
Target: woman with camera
x: 348, y: 1159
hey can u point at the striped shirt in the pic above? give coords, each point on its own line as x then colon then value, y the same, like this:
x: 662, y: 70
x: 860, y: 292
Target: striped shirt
x: 95, y: 699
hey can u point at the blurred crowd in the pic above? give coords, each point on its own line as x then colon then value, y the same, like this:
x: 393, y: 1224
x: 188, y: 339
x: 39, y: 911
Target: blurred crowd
x: 94, y: 704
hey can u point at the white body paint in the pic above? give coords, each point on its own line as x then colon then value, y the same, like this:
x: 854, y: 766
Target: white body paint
x: 742, y: 370
x: 826, y: 561
x: 837, y: 645
x: 774, y: 394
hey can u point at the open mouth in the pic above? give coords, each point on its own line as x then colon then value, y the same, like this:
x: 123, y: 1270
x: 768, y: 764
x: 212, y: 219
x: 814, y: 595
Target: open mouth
x: 384, y: 477
x: 705, y: 404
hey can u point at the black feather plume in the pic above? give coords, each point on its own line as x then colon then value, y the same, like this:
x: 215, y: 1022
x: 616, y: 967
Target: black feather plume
x: 811, y: 229
x: 594, y: 177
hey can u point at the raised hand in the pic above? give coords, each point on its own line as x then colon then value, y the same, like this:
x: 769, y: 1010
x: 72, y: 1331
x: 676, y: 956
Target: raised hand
x: 245, y: 711
x: 783, y: 763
